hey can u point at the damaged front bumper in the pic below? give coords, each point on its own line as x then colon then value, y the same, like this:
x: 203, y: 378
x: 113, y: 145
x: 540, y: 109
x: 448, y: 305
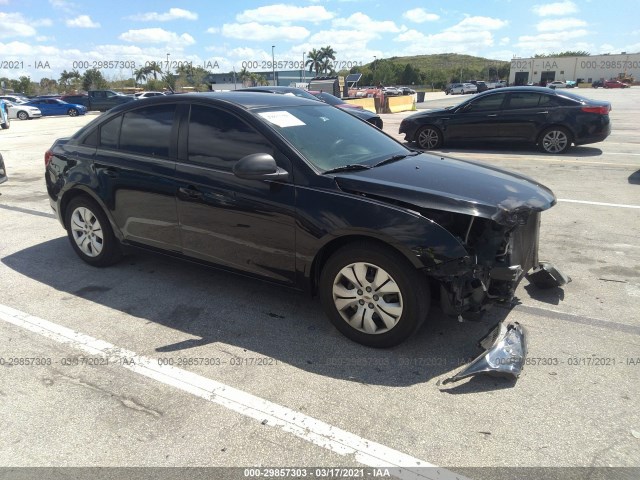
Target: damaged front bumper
x: 505, y: 353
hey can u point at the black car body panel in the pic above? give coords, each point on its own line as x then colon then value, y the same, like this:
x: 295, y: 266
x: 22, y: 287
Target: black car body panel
x: 470, y: 228
x: 511, y: 119
x: 3, y: 171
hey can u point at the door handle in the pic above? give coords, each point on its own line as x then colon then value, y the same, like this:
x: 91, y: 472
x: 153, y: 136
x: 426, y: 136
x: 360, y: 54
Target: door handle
x: 111, y: 172
x: 492, y: 115
x: 190, y: 192
x: 540, y: 113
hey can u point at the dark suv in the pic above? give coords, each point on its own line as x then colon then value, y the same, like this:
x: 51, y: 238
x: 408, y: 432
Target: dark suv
x: 303, y: 194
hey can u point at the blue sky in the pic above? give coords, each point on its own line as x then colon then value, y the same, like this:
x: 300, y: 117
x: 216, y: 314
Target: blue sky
x: 41, y: 38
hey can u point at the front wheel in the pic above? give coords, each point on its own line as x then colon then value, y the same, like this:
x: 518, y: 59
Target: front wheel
x: 22, y: 115
x: 555, y: 140
x: 72, y: 112
x: 373, y: 295
x: 5, y: 125
x: 429, y: 138
x: 90, y: 233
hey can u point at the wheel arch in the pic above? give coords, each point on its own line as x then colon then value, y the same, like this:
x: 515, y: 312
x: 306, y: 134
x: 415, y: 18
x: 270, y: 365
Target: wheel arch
x: 567, y: 128
x: 79, y: 191
x: 336, y: 244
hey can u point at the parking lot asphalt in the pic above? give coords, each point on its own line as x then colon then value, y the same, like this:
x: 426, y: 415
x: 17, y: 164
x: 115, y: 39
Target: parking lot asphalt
x: 260, y: 377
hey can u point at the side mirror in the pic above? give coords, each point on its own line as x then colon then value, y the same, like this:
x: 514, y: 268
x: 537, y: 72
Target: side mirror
x: 259, y: 166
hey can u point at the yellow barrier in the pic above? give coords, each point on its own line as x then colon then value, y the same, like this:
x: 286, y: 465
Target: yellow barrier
x: 366, y: 103
x: 401, y: 104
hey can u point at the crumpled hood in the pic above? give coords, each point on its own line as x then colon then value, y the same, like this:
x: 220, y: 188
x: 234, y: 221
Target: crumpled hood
x: 460, y: 186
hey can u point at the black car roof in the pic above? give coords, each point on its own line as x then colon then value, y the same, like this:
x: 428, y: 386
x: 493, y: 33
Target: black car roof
x: 247, y: 99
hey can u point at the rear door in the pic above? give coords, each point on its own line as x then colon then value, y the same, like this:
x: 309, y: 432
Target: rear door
x: 135, y: 166
x: 247, y: 225
x: 525, y: 114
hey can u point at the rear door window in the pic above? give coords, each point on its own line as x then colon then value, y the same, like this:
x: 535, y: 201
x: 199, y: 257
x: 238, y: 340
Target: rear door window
x: 147, y: 130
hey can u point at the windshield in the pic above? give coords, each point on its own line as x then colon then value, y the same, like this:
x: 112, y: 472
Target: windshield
x: 330, y: 138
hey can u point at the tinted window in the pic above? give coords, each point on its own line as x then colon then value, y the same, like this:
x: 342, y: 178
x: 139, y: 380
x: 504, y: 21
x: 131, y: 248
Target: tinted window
x: 91, y: 139
x: 109, y: 133
x: 219, y: 139
x: 148, y: 130
x: 524, y: 100
x: 490, y: 102
x: 551, y: 101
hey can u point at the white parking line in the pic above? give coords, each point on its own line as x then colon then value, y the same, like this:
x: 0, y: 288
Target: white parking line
x: 268, y: 413
x: 618, y: 205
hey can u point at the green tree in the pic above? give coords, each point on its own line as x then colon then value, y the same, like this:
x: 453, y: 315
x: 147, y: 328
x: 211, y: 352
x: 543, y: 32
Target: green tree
x: 568, y: 53
x: 92, y: 79
x: 24, y: 85
x: 69, y: 80
x: 410, y: 76
x: 314, y: 60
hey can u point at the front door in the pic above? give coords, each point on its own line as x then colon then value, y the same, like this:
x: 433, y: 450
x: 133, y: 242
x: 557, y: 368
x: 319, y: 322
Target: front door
x: 243, y: 224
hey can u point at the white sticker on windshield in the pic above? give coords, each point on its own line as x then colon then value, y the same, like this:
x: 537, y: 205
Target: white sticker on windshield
x: 282, y: 119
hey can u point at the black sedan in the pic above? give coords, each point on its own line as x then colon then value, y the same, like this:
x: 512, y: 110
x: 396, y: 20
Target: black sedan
x: 298, y: 193
x: 551, y: 119
x: 354, y: 110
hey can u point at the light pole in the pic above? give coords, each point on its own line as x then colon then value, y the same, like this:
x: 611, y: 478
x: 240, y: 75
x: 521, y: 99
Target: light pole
x: 168, y: 62
x: 273, y: 64
x: 374, y: 68
x: 304, y: 69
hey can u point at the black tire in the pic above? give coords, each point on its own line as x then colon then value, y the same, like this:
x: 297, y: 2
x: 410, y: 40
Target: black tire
x: 428, y: 137
x: 72, y: 112
x: 82, y: 212
x: 555, y: 140
x: 22, y: 115
x: 404, y: 311
x: 5, y: 126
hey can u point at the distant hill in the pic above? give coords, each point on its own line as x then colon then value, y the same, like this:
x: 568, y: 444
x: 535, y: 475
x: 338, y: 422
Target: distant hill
x: 436, y: 70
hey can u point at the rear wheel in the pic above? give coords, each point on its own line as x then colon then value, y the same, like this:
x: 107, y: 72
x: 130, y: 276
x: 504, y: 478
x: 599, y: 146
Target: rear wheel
x: 429, y: 137
x: 5, y: 125
x: 373, y: 295
x: 90, y: 233
x: 555, y: 140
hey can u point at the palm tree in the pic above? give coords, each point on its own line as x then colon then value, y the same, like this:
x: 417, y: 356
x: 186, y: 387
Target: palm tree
x: 141, y: 74
x: 328, y: 54
x: 314, y: 60
x: 244, y: 76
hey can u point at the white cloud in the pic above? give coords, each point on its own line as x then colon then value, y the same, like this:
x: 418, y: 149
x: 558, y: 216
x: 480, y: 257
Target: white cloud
x: 559, y: 8
x: 504, y: 41
x: 213, y: 30
x: 560, y: 24
x: 362, y: 22
x: 157, y: 35
x: 552, y: 42
x: 478, y: 24
x: 282, y: 13
x: 420, y: 15
x: 172, y: 14
x: 15, y: 25
x: 82, y: 21
x: 469, y: 36
x: 258, y: 32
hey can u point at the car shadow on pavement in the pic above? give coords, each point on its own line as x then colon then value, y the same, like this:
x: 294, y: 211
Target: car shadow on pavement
x: 576, y: 151
x: 221, y: 308
x: 634, y: 178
